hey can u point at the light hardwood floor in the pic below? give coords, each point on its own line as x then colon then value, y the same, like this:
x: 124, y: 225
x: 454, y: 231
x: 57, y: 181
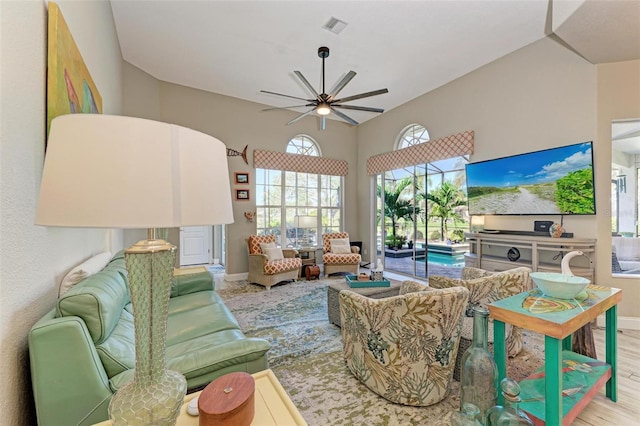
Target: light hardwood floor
x: 626, y: 411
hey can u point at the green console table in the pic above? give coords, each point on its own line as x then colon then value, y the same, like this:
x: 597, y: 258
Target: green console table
x: 555, y: 394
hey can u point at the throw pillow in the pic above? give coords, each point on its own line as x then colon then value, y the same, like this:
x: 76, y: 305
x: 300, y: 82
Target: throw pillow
x: 334, y: 242
x: 265, y: 246
x: 273, y: 253
x: 341, y: 249
x: 84, y: 270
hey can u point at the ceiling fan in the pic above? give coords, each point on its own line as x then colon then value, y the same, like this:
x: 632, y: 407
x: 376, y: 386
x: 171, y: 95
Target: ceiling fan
x: 324, y: 103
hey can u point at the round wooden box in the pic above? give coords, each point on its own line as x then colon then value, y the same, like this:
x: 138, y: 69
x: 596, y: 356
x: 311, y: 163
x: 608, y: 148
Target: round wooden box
x: 228, y: 401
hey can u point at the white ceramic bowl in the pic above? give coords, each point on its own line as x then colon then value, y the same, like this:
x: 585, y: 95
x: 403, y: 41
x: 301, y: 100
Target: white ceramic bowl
x: 558, y: 285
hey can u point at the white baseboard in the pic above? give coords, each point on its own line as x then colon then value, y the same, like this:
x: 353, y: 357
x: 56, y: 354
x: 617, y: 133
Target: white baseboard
x: 236, y: 277
x: 628, y: 323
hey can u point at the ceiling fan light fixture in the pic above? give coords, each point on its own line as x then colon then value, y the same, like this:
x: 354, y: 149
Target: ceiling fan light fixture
x: 323, y: 109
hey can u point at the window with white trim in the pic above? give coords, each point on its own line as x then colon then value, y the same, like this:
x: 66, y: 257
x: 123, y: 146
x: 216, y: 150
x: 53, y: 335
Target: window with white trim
x: 282, y: 195
x: 413, y: 134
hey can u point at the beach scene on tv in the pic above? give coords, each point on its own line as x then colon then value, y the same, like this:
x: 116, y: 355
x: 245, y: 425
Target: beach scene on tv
x: 553, y: 181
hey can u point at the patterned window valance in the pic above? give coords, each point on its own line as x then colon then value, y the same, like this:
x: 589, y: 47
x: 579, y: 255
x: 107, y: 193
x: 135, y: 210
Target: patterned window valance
x: 299, y: 163
x: 438, y: 149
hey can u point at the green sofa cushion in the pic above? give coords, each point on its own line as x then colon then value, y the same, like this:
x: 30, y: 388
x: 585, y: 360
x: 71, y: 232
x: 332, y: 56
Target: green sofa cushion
x: 98, y: 300
x: 195, y: 321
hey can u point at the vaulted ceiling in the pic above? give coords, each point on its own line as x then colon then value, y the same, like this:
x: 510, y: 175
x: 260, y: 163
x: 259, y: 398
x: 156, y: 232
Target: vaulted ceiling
x: 238, y: 48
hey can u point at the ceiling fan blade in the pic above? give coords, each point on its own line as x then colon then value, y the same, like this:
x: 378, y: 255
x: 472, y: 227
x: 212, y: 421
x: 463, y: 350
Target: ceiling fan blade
x: 304, y: 114
x: 359, y: 108
x: 323, y: 122
x: 340, y: 85
x: 362, y: 95
x: 306, y: 83
x: 287, y: 96
x: 287, y: 107
x: 345, y: 117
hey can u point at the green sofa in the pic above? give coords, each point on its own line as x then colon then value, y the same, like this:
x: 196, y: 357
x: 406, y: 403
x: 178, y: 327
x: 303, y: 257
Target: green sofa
x: 83, y: 350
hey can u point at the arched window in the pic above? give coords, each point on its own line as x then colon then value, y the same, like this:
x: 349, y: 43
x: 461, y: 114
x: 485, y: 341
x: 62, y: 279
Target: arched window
x: 284, y: 198
x: 413, y: 134
x: 305, y: 145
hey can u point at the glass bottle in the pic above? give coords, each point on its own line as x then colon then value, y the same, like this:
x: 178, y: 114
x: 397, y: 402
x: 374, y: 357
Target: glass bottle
x: 509, y: 414
x: 479, y: 372
x: 468, y: 416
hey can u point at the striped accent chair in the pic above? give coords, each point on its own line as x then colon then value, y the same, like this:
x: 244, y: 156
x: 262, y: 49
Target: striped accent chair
x: 268, y: 271
x: 334, y: 260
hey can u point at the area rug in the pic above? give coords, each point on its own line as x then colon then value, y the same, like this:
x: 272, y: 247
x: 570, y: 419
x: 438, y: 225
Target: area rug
x: 306, y: 356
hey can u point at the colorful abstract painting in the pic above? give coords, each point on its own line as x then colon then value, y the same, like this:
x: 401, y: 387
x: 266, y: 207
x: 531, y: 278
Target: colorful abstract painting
x: 70, y: 88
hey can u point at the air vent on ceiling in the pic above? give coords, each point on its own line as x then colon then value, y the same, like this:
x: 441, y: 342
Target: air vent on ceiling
x: 335, y: 25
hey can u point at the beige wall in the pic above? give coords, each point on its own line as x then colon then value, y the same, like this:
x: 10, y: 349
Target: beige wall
x: 618, y: 98
x: 538, y: 97
x: 35, y: 258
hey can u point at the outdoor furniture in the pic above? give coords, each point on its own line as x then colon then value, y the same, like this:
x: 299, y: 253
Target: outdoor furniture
x: 336, y: 257
x: 404, y: 347
x: 268, y: 264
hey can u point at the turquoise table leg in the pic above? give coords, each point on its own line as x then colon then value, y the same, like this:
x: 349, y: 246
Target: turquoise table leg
x: 566, y: 343
x: 499, y: 353
x: 611, y: 337
x: 553, y: 381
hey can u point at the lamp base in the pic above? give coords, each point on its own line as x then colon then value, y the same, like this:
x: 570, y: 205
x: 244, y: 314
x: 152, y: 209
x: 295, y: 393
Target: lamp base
x: 155, y: 394
x: 157, y: 404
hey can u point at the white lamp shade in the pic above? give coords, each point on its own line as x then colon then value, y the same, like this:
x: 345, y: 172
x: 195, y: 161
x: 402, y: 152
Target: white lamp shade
x: 306, y: 221
x: 105, y: 171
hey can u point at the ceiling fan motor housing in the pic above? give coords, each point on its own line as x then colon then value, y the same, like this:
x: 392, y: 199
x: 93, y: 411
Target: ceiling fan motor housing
x: 323, y: 52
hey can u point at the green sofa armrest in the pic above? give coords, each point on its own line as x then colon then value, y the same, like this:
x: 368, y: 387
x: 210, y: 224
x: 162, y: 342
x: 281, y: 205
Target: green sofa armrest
x: 70, y: 385
x: 192, y: 283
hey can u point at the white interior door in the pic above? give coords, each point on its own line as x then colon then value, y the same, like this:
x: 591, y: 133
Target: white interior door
x: 195, y: 245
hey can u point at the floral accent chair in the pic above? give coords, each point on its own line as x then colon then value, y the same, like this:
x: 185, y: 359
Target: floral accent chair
x: 339, y: 255
x: 486, y: 287
x: 268, y: 264
x: 404, y: 347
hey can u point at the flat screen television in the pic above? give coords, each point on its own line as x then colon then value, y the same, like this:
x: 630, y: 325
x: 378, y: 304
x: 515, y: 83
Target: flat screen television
x: 556, y: 181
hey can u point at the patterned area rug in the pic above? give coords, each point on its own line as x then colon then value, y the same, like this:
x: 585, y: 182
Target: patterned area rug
x: 306, y: 356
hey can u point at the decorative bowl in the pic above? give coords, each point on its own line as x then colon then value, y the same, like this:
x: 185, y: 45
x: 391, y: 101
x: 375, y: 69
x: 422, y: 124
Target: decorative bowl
x: 561, y: 286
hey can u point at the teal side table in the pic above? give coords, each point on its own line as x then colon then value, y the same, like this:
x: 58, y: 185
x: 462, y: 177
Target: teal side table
x: 555, y: 394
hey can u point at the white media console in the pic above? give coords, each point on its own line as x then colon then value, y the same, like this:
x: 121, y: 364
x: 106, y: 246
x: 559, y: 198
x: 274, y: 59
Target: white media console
x: 502, y: 251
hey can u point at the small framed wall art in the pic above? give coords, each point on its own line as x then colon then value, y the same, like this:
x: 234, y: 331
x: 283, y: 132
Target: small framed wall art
x: 242, y: 194
x: 242, y: 178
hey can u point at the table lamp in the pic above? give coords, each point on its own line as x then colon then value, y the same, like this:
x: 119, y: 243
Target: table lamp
x: 104, y: 171
x: 305, y: 222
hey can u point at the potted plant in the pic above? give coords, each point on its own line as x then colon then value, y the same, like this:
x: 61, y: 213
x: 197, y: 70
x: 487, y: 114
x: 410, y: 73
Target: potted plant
x: 400, y: 240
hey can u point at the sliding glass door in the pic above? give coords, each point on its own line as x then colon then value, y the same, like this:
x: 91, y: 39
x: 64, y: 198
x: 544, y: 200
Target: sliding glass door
x: 421, y: 217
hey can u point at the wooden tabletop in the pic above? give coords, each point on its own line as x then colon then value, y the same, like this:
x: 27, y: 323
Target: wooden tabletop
x: 553, y: 317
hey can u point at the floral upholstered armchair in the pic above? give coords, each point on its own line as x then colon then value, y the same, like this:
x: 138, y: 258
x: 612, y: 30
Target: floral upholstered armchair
x: 404, y: 347
x: 268, y: 264
x: 339, y: 255
x: 486, y: 287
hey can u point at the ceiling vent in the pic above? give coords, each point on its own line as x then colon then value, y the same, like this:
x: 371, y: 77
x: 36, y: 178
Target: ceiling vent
x: 335, y: 25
